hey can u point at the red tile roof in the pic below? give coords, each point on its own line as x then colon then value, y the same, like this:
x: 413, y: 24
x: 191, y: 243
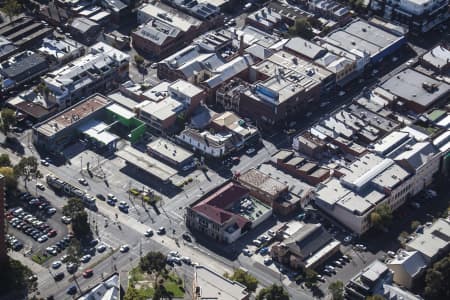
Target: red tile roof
x: 213, y: 207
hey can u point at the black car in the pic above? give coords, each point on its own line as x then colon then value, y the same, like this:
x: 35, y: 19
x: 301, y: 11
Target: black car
x: 58, y: 276
x: 72, y: 290
x: 187, y: 237
x: 100, y: 197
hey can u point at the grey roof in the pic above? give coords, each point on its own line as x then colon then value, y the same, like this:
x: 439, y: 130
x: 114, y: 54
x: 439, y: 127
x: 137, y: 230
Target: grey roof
x: 308, y: 240
x: 115, y: 5
x: 305, y: 48
x: 158, y: 32
x: 6, y: 47
x: 33, y: 63
x: 408, y: 85
x: 83, y: 25
x: 438, y: 57
x: 417, y: 155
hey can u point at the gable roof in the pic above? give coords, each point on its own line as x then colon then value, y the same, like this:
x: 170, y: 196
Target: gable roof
x: 308, y: 240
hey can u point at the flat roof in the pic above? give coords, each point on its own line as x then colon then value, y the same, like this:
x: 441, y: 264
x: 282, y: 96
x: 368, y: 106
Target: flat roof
x: 146, y: 163
x: 215, y: 286
x: 262, y: 181
x: 409, y: 85
x: 121, y: 111
x: 162, y: 110
x: 168, y: 149
x: 72, y: 115
x: 98, y: 130
x: 185, y: 88
x: 170, y: 16
x: 434, y: 239
x: 438, y: 57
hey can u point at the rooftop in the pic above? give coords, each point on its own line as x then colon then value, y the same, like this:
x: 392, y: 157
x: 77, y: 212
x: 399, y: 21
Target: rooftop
x: 262, y: 181
x: 83, y: 24
x: 72, y: 115
x: 167, y: 15
x: 305, y: 48
x: 165, y: 147
x: 58, y: 48
x: 26, y: 62
x: 438, y: 57
x: 416, y: 87
x: 106, y: 290
x: 162, y: 110
x: 147, y: 163
x: 411, y: 261
x: 433, y: 240
x: 214, y: 286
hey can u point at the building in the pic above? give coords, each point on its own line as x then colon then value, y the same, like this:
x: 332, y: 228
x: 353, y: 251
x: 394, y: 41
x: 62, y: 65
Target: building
x: 367, y: 37
x: 243, y: 133
x: 300, y: 167
x: 33, y: 106
x: 164, y: 30
x: 215, y: 145
x: 208, y: 284
x: 60, y: 51
x: 102, y: 69
x: 24, y: 32
x: 226, y: 213
x: 170, y: 153
x: 310, y: 144
x: 368, y: 182
x: 163, y: 104
x: 437, y: 59
x: 408, y: 268
x: 21, y: 68
x: 330, y: 9
x: 433, y: 241
x: 285, y: 194
x: 419, y: 16
x: 7, y: 48
x: 308, y: 247
x: 84, y: 30
x: 203, y: 10
x: 369, y: 281
x: 283, y: 87
x: 108, y: 289
x: 3, y: 253
x: 415, y: 91
x: 146, y: 163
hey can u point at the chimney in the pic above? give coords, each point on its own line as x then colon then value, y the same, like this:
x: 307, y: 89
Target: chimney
x: 241, y: 44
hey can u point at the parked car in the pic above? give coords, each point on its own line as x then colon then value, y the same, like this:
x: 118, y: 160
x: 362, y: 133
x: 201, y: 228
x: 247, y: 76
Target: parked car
x: 88, y: 273
x: 101, y: 248
x: 161, y: 231
x: 250, y: 151
x: 40, y: 186
x: 45, y: 163
x: 124, y: 248
x: 187, y: 237
x: 85, y: 258
x: 71, y: 268
x: 148, y: 233
x: 267, y: 261
x: 66, y: 219
x: 247, y: 252
x: 56, y: 264
x: 82, y: 181
x: 100, y: 197
x: 72, y: 290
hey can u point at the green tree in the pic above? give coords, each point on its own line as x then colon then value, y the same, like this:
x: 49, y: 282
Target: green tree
x: 8, y: 119
x: 4, y: 160
x: 75, y: 209
x: 138, y: 59
x: 310, y: 277
x: 16, y: 277
x: 241, y: 276
x: 337, y: 290
x: 74, y: 251
x: 381, y: 216
x: 11, y: 8
x: 302, y: 28
x: 10, y: 177
x: 132, y: 294
x: 27, y: 168
x: 437, y: 280
x: 153, y: 262
x: 414, y: 225
x: 375, y: 297
x: 273, y: 292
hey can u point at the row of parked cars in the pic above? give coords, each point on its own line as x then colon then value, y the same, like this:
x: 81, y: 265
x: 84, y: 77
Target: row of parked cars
x: 338, y: 263
x: 30, y: 225
x: 39, y: 202
x: 13, y: 242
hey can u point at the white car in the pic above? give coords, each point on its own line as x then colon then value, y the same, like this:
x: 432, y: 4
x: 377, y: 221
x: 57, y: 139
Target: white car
x: 85, y: 258
x: 82, y: 181
x: 40, y: 186
x: 124, y: 248
x: 44, y: 162
x: 66, y: 219
x: 247, y: 252
x: 42, y: 238
x: 51, y: 210
x: 112, y: 197
x: 101, y: 248
x: 148, y: 233
x: 250, y: 151
x: 56, y: 264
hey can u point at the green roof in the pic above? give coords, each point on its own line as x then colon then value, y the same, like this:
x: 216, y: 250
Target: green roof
x: 435, y: 114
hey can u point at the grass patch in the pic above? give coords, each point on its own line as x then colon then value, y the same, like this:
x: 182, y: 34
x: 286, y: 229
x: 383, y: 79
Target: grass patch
x: 143, y: 283
x: 134, y: 192
x: 40, y: 258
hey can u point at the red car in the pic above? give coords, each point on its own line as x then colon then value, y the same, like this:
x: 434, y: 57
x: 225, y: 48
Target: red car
x: 88, y: 273
x: 52, y: 233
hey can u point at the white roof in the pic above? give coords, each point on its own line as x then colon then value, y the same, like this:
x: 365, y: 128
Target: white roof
x: 215, y: 286
x: 98, y: 131
x: 445, y: 122
x: 176, y: 20
x: 166, y: 148
x: 121, y: 111
x: 433, y: 240
x: 411, y: 261
x: 162, y: 110
x: 107, y: 290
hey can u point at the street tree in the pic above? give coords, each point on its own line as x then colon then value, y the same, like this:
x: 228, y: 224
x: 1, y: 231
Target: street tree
x: 75, y: 209
x: 437, y: 280
x: 381, y: 216
x: 132, y: 294
x: 74, y: 251
x: 241, y: 276
x: 10, y: 177
x: 4, y: 160
x: 27, y: 168
x: 310, y: 277
x: 273, y: 292
x: 153, y: 262
x: 8, y: 119
x: 302, y: 28
x: 138, y: 59
x: 11, y: 8
x: 375, y: 297
x: 337, y: 290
